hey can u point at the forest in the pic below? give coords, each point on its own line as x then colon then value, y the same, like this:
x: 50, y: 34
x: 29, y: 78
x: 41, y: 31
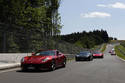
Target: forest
x: 87, y: 39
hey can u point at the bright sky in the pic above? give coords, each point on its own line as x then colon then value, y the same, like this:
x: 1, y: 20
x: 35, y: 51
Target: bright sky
x: 79, y: 15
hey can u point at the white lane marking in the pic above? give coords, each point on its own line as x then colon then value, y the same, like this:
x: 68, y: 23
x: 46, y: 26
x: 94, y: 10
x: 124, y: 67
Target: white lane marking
x: 8, y: 70
x: 120, y: 58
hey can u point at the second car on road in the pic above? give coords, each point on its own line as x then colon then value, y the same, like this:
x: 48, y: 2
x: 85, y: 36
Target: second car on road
x: 98, y: 54
x: 85, y: 55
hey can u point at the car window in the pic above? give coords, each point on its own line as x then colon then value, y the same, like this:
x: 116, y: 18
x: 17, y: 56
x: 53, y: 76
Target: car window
x: 97, y: 52
x: 45, y: 53
x: 84, y: 53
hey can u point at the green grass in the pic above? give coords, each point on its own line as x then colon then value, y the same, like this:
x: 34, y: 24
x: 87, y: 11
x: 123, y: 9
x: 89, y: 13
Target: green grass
x: 122, y: 48
x: 103, y: 48
x: 118, y: 52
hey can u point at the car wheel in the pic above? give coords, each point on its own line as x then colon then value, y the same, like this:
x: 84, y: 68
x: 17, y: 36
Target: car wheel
x: 76, y: 59
x: 102, y: 57
x: 53, y: 66
x: 64, y: 63
x: 91, y: 58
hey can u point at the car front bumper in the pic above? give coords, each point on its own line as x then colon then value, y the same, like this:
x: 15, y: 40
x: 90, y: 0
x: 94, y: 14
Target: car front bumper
x: 82, y: 58
x: 36, y: 66
x: 98, y: 56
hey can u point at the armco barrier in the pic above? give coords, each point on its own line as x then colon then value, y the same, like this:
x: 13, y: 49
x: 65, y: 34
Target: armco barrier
x: 12, y: 57
x: 70, y: 56
x: 16, y: 57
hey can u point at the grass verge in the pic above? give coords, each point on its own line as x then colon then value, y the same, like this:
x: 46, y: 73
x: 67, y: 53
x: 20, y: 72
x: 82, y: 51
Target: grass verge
x: 118, y: 51
x: 103, y: 48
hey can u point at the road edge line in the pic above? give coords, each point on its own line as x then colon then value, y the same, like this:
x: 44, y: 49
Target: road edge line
x: 120, y: 58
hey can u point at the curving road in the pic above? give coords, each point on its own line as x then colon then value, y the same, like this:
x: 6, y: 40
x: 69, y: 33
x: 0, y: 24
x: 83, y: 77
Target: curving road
x: 108, y: 70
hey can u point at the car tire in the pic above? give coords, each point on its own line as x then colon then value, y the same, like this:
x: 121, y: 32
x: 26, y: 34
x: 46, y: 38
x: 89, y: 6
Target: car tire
x: 64, y: 63
x: 53, y: 66
x: 102, y: 57
x: 76, y: 59
x: 91, y: 58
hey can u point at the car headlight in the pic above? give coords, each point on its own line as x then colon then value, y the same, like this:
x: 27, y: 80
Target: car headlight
x: 87, y: 55
x: 46, y: 59
x: 77, y: 55
x: 22, y: 60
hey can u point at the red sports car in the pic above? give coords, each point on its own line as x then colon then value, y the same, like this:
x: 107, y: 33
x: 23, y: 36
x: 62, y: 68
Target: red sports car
x: 44, y: 59
x: 113, y: 53
x: 110, y: 51
x: 98, y: 55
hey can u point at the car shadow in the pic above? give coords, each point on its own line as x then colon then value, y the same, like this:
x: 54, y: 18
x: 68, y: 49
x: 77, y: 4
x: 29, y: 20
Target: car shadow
x: 83, y: 61
x: 37, y: 71
x: 33, y: 71
x: 97, y: 58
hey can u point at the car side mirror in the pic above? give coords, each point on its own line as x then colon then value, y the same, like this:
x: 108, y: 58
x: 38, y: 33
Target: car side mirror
x: 33, y: 54
x: 58, y: 53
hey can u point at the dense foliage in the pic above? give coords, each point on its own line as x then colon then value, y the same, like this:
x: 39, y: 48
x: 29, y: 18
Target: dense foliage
x: 122, y: 43
x: 87, y: 39
x: 25, y: 23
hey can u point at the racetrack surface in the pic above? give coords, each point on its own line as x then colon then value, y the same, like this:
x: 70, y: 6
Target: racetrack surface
x: 110, y: 69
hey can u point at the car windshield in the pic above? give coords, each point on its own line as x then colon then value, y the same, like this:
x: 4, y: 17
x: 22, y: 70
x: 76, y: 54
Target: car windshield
x: 97, y: 52
x: 84, y: 53
x: 45, y: 53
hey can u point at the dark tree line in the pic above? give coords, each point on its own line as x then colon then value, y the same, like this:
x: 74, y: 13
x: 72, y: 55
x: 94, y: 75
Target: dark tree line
x: 24, y: 24
x: 122, y: 43
x: 87, y: 39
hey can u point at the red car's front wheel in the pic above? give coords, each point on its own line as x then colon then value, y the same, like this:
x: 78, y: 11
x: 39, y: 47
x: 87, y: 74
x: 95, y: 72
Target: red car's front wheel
x: 53, y: 66
x: 64, y: 63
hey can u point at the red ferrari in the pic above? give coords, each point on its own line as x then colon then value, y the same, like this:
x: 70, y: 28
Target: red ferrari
x: 113, y: 53
x: 98, y: 55
x: 44, y: 59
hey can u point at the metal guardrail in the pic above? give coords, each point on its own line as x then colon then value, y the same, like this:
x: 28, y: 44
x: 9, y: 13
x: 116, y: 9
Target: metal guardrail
x: 12, y: 57
x: 70, y: 56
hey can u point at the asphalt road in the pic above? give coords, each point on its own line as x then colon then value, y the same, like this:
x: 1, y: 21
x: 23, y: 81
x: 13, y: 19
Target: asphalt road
x: 108, y: 70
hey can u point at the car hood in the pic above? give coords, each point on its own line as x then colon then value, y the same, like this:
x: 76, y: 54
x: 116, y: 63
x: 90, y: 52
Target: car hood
x: 83, y: 55
x: 35, y: 59
x: 97, y: 54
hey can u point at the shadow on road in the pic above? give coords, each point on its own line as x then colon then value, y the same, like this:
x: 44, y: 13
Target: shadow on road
x: 97, y: 58
x: 33, y: 71
x: 37, y: 71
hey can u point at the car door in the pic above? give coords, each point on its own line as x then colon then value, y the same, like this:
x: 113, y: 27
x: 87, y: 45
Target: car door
x: 59, y: 57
